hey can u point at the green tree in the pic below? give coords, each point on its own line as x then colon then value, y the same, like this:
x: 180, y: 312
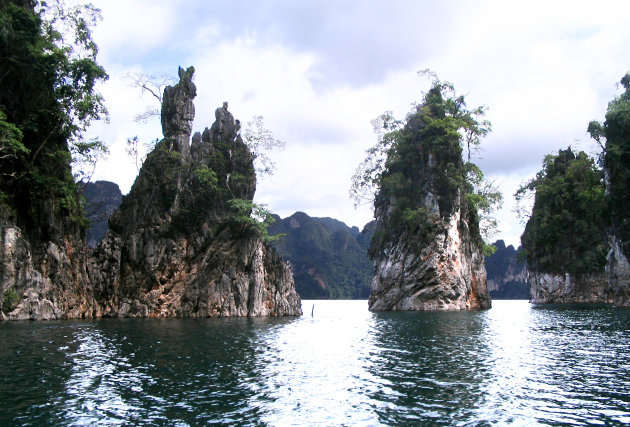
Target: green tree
x: 250, y: 216
x: 614, y: 137
x: 48, y: 73
x: 566, y: 230
x: 420, y: 158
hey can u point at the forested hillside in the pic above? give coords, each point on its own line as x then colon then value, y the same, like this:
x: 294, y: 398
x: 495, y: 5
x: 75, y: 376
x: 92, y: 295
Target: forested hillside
x: 507, y: 275
x: 328, y: 258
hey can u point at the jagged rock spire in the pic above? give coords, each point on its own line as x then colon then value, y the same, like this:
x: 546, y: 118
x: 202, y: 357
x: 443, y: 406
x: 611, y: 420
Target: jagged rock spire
x: 178, y: 111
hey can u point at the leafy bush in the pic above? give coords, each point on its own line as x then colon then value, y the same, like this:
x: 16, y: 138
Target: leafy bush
x: 252, y: 217
x: 10, y: 301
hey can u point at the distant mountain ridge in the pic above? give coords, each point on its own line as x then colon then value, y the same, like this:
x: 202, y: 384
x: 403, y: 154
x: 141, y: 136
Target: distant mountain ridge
x: 102, y: 198
x: 507, y: 277
x: 328, y: 258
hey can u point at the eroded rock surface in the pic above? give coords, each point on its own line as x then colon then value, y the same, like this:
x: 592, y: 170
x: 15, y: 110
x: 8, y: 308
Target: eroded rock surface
x: 448, y: 274
x: 175, y: 248
x: 561, y: 289
x: 618, y: 272
x: 427, y: 248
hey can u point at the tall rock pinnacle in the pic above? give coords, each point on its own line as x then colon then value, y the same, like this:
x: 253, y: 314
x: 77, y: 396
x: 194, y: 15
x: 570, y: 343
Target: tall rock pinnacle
x: 178, y: 111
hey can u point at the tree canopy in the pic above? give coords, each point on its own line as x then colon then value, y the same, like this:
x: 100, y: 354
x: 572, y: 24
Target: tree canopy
x: 614, y: 137
x: 566, y: 232
x: 421, y: 158
x: 48, y: 74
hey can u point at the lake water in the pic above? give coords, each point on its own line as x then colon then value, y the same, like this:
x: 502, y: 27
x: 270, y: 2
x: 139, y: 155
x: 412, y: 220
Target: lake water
x: 515, y: 363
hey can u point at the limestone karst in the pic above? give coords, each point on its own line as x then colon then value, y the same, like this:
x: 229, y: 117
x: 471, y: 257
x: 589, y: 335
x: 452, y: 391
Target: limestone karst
x: 175, y: 248
x: 427, y: 248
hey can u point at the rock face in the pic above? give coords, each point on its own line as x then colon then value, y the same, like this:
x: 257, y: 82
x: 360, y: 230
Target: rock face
x: 47, y: 281
x: 618, y: 273
x: 448, y: 274
x: 556, y: 289
x: 427, y: 248
x: 175, y: 248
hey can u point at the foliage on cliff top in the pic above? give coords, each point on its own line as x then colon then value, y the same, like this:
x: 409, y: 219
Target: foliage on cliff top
x: 417, y: 177
x: 48, y: 73
x: 566, y: 230
x: 614, y: 137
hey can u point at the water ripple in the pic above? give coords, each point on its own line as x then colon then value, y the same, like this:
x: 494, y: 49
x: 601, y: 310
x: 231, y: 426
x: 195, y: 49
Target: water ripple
x: 514, y: 364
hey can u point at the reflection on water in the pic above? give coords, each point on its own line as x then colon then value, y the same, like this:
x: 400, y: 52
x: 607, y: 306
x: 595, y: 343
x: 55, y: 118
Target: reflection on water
x: 515, y: 363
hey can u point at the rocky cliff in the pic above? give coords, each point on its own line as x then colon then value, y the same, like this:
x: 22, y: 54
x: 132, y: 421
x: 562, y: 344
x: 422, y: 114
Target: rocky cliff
x: 426, y: 249
x: 447, y: 274
x: 618, y: 273
x: 560, y: 289
x: 42, y: 279
x: 564, y: 241
x: 181, y: 243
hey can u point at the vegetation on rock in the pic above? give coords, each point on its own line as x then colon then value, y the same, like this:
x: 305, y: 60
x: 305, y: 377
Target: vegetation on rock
x: 188, y: 241
x: 614, y: 138
x: 10, y: 300
x: 566, y: 232
x: 47, y: 100
x: 416, y: 172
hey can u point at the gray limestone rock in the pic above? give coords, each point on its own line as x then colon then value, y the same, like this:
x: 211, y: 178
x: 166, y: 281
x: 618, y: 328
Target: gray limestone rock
x: 178, y: 111
x: 561, y: 289
x: 425, y: 255
x: 448, y: 274
x: 50, y: 281
x: 618, y: 272
x: 173, y: 248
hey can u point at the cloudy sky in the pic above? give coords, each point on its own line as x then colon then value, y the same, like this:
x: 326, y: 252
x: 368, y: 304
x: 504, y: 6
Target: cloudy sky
x: 320, y: 71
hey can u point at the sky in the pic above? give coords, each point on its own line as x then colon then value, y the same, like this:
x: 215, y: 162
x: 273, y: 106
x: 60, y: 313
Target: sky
x: 320, y: 71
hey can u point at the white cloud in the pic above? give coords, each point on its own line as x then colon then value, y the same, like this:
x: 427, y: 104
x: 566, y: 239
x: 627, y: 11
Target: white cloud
x: 320, y: 74
x: 131, y: 29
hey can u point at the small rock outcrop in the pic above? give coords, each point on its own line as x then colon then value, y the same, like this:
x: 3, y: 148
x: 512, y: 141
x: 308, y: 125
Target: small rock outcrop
x: 181, y: 244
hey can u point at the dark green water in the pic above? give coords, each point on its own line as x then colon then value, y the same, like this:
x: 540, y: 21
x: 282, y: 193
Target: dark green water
x: 513, y: 364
